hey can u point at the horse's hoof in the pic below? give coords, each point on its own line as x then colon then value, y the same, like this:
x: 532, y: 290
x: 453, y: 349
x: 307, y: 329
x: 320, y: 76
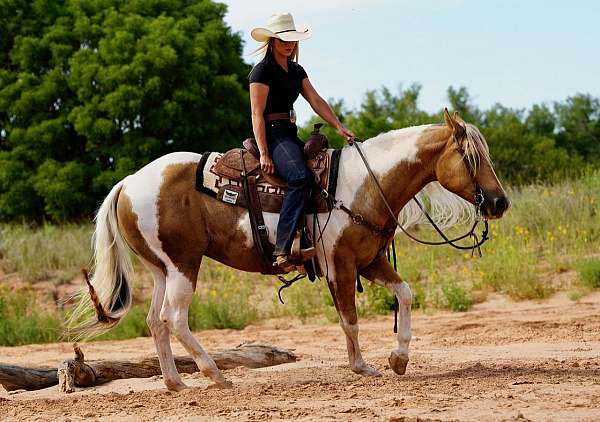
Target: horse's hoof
x: 398, y: 362
x: 367, y: 371
x: 175, y: 386
x: 222, y: 385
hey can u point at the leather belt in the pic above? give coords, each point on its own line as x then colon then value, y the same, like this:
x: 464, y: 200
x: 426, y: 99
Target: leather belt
x: 276, y: 116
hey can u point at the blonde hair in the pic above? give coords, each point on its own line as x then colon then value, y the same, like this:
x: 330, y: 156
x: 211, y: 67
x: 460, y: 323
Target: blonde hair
x: 264, y: 47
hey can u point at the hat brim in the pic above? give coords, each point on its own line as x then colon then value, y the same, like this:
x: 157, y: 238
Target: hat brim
x: 263, y: 34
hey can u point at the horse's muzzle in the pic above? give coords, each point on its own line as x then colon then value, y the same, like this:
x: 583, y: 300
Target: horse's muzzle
x: 495, y: 206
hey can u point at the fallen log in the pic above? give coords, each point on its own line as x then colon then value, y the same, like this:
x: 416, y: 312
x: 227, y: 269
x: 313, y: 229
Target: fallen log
x: 80, y: 373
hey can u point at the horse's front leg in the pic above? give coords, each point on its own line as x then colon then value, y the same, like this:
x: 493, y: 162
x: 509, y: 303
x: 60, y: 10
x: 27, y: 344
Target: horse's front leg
x: 342, y: 288
x: 381, y: 272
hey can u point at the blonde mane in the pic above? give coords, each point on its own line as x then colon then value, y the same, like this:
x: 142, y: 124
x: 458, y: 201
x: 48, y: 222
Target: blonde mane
x: 475, y: 148
x: 446, y: 208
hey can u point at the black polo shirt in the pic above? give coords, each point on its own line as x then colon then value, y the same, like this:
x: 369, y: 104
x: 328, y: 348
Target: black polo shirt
x: 284, y: 87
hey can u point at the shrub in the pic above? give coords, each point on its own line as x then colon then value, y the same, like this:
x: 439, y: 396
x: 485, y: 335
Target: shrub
x: 131, y: 326
x: 589, y: 273
x: 223, y: 308
x: 456, y: 297
x: 23, y: 320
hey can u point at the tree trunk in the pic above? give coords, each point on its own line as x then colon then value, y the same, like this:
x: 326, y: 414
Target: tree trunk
x: 78, y: 373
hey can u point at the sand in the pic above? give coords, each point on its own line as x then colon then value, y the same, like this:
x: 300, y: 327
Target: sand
x: 500, y: 361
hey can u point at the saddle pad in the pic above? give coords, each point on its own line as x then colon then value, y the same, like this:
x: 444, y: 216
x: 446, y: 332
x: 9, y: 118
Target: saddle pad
x: 271, y: 197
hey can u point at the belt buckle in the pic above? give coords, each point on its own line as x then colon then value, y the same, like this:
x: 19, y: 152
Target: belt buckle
x: 293, y: 116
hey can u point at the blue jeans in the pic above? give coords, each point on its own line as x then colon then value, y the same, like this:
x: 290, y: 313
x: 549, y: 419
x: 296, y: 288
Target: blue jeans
x: 286, y: 151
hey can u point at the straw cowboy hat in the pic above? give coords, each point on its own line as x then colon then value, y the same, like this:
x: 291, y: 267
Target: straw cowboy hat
x: 281, y: 26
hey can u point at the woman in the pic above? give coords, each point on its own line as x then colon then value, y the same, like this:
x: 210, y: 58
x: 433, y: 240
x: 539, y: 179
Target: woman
x: 275, y: 83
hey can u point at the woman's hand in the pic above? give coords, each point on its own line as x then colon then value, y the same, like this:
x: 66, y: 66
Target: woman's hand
x: 346, y: 133
x: 266, y: 164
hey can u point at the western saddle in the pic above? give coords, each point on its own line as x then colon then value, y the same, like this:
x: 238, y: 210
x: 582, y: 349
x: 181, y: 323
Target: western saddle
x: 240, y: 167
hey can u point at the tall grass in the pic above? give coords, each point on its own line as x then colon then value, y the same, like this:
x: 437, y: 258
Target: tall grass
x: 44, y: 252
x: 548, y: 231
x: 24, y: 319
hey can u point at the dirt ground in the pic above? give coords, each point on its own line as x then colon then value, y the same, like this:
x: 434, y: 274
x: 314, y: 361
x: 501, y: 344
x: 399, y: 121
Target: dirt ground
x: 501, y: 361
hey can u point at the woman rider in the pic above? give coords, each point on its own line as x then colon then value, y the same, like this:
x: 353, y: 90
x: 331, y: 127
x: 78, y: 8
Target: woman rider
x: 275, y: 83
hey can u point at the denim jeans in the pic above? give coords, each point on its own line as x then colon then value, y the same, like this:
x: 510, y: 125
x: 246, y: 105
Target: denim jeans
x: 286, y: 151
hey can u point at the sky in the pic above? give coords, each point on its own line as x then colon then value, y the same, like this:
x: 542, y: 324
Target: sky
x: 517, y: 53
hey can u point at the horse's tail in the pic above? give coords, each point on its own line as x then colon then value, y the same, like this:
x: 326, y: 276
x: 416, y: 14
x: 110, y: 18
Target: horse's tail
x: 108, y: 290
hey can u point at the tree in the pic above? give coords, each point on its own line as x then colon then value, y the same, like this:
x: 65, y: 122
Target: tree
x: 91, y: 90
x: 579, y: 126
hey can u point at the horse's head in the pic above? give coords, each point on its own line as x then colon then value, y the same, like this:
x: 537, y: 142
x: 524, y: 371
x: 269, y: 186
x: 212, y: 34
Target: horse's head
x: 464, y: 167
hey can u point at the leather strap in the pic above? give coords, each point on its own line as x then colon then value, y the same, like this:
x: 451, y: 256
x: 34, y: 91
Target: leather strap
x: 257, y: 222
x: 277, y: 116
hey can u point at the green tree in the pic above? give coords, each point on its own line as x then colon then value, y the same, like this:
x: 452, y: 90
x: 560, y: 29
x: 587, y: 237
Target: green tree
x: 579, y: 126
x: 461, y: 102
x: 91, y: 90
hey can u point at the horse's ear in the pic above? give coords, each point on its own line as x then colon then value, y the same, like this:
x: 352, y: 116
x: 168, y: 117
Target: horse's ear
x: 449, y: 121
x: 458, y: 119
x: 455, y: 123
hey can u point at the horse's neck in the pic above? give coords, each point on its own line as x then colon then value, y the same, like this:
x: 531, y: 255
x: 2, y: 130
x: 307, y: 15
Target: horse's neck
x: 400, y: 167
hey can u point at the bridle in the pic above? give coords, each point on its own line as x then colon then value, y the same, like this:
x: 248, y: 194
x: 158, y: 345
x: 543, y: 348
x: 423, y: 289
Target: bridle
x: 478, y: 200
x: 388, y: 232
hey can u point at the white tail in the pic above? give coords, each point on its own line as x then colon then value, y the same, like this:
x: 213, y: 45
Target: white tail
x: 109, y: 292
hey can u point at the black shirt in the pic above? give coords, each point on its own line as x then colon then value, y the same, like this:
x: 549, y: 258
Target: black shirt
x: 284, y: 87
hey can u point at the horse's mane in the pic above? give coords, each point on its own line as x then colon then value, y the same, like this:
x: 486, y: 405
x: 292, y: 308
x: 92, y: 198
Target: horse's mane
x: 446, y: 208
x: 475, y: 147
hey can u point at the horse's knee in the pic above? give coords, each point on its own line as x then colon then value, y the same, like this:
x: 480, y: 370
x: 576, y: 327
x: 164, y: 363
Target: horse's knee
x: 404, y: 294
x: 176, y: 321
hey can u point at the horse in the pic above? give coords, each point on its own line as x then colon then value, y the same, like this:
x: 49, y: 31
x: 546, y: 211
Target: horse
x: 157, y: 213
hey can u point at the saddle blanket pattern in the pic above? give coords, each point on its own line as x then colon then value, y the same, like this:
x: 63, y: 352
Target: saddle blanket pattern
x: 231, y: 191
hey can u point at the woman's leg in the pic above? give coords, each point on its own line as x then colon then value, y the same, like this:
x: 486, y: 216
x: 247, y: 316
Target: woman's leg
x: 289, y: 162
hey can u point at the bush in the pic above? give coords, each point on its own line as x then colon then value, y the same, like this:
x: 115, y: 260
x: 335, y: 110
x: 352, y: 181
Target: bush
x: 23, y: 320
x: 222, y: 308
x: 131, y: 326
x: 456, y: 297
x: 589, y: 273
x: 379, y: 300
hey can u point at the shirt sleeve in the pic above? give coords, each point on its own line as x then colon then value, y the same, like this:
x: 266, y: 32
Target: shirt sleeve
x: 260, y: 73
x: 301, y: 73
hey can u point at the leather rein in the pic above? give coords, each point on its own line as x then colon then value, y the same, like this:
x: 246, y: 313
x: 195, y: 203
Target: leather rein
x: 387, y: 232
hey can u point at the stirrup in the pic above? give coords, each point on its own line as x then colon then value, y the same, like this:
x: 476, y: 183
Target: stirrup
x: 299, y: 254
x: 283, y: 262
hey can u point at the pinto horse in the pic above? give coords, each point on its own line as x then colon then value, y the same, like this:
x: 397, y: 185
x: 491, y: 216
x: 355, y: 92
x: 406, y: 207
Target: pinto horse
x: 158, y: 214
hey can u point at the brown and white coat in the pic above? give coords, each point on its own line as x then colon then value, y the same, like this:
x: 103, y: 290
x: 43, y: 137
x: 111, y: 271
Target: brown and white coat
x: 170, y: 226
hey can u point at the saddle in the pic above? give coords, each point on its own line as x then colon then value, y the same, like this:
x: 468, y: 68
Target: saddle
x: 236, y: 178
x: 239, y: 163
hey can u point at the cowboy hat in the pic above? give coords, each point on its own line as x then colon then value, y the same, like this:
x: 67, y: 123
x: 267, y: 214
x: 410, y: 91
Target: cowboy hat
x: 281, y: 26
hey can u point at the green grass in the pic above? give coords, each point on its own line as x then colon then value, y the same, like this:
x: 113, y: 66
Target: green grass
x: 45, y: 252
x: 589, y: 273
x: 24, y: 319
x: 548, y: 232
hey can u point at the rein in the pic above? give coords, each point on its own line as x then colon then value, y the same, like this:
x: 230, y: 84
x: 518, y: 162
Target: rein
x: 358, y: 219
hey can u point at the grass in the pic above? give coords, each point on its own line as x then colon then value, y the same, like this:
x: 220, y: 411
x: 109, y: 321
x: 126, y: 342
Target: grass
x: 589, y: 272
x: 45, y: 252
x: 549, y: 231
x: 24, y: 320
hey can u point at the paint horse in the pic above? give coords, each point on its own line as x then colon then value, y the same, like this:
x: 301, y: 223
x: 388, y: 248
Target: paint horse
x: 158, y: 214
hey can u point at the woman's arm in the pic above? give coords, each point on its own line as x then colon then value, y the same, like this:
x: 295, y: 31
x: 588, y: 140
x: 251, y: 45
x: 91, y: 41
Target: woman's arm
x: 258, y: 102
x: 320, y: 106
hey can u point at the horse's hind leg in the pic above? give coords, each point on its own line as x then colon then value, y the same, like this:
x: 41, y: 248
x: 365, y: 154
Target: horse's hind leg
x: 160, y: 331
x: 381, y: 272
x: 174, y: 312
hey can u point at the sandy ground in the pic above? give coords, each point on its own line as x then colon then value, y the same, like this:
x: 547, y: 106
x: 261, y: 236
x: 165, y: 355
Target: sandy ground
x: 501, y: 361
